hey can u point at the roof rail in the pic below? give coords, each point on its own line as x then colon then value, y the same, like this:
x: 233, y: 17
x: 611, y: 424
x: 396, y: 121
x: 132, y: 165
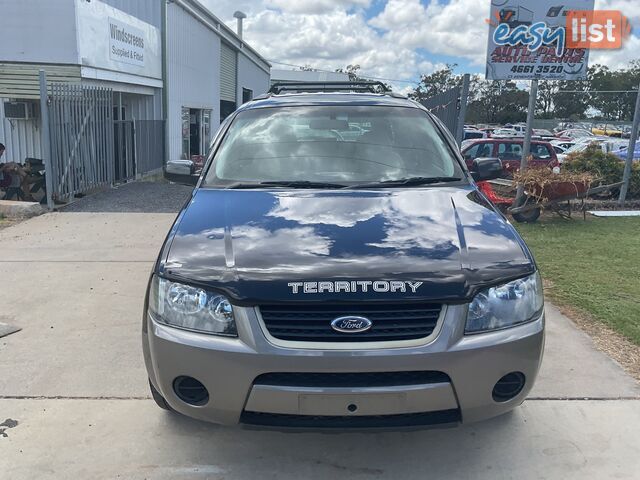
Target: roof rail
x: 313, y: 87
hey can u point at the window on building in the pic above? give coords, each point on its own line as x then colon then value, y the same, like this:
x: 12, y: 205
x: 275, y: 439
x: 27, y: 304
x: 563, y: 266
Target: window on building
x: 196, y: 131
x: 226, y: 109
x: 186, y: 132
x: 247, y: 95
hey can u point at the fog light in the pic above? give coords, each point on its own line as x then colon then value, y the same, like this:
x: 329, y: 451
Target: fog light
x: 190, y: 391
x: 508, y: 386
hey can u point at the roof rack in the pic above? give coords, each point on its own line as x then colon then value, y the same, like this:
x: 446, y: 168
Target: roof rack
x: 312, y: 87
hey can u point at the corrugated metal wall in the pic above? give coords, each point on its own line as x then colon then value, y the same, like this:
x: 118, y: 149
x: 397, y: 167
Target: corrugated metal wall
x: 146, y: 111
x: 193, y: 72
x: 21, y: 137
x: 23, y: 80
x: 141, y: 107
x: 149, y: 11
x: 252, y: 77
x: 228, y: 72
x: 39, y: 31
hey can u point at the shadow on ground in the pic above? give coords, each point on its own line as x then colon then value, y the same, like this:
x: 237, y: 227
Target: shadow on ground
x: 142, y: 197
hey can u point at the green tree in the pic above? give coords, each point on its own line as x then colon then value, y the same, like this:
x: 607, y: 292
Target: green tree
x: 437, y: 82
x: 547, y: 90
x: 353, y: 71
x: 354, y: 75
x: 569, y: 101
x: 611, y: 90
x: 498, y: 101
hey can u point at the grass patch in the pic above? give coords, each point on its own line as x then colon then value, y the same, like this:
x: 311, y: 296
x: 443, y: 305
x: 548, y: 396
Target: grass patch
x: 591, y: 266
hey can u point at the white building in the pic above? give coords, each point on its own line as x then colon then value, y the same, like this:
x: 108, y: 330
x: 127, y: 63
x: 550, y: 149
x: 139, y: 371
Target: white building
x: 174, y: 70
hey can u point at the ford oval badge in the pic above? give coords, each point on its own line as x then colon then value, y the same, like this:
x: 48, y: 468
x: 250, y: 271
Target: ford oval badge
x: 351, y: 324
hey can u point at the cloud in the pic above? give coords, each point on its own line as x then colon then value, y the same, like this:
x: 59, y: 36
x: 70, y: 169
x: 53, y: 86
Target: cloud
x: 455, y: 29
x: 630, y: 8
x: 333, y: 40
x: 316, y: 6
x: 620, y: 58
x: 405, y: 39
x: 325, y: 34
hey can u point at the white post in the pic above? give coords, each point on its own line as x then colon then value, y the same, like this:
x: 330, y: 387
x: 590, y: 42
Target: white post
x: 526, y: 144
x: 626, y: 177
x: 45, y: 139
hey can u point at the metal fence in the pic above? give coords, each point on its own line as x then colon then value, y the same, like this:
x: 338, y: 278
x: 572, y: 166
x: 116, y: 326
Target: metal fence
x: 81, y: 137
x: 149, y: 145
x: 125, y: 159
x: 551, y: 123
x: 445, y: 106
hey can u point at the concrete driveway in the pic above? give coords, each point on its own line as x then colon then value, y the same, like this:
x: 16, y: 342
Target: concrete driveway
x: 74, y: 401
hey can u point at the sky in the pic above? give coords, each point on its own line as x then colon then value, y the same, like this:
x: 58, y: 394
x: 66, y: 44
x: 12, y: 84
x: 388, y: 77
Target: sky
x: 394, y: 40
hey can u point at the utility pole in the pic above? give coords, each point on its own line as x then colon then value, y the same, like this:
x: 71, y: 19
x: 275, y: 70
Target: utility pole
x: 626, y: 177
x: 45, y: 139
x: 526, y: 145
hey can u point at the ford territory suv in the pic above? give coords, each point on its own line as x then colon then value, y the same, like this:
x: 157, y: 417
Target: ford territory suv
x: 336, y: 266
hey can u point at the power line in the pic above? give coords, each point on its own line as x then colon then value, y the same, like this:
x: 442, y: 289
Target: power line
x: 362, y: 74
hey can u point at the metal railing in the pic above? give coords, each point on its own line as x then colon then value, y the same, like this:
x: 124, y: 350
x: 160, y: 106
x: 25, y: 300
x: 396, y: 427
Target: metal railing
x: 82, y: 140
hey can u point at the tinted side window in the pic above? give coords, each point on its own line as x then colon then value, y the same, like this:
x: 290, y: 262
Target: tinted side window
x: 479, y: 150
x: 509, y: 151
x: 540, y: 151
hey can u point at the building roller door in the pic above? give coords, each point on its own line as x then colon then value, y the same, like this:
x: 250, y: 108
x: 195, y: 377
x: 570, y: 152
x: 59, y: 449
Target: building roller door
x: 228, y: 69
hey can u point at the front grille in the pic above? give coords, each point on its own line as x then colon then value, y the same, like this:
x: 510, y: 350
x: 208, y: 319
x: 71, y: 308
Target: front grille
x: 351, y: 379
x: 366, y: 421
x: 312, y: 323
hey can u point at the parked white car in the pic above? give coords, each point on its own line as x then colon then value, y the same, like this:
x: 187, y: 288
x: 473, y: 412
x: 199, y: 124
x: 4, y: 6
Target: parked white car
x: 505, y: 133
x: 576, y: 133
x: 564, y: 144
x: 607, y: 145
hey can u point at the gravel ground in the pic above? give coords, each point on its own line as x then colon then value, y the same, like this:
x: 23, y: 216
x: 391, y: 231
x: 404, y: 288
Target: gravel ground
x: 146, y: 197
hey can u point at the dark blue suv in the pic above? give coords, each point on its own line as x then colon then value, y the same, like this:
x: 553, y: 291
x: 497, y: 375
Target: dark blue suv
x: 336, y: 266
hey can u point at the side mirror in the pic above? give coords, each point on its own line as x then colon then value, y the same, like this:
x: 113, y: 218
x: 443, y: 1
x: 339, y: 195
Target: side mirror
x: 486, y: 169
x: 181, y: 171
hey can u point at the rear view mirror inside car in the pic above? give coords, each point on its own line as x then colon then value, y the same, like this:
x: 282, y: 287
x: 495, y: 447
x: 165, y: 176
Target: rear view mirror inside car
x: 329, y: 124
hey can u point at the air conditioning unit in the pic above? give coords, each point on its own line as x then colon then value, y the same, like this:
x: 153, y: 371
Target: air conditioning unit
x: 19, y: 110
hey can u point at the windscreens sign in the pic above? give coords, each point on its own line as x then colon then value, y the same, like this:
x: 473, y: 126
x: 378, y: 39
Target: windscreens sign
x: 126, y: 43
x: 527, y: 40
x: 112, y: 42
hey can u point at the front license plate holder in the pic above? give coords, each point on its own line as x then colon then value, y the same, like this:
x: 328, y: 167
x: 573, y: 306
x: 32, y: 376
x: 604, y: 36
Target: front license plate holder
x: 352, y: 404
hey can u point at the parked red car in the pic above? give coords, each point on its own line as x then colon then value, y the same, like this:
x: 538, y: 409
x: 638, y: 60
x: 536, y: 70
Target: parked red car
x: 509, y: 150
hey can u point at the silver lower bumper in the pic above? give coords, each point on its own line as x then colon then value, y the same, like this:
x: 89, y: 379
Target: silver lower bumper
x: 229, y: 367
x: 330, y: 401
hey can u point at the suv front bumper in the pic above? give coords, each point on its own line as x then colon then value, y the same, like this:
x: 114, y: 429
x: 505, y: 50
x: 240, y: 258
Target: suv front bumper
x: 229, y: 368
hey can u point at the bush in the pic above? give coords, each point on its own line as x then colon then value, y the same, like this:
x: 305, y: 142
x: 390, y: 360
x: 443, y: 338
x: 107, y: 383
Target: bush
x: 605, y: 167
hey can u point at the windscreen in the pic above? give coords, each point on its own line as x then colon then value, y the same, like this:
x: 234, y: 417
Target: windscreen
x: 343, y: 144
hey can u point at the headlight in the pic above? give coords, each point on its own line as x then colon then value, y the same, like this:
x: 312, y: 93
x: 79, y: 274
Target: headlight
x: 191, y: 308
x: 506, y: 305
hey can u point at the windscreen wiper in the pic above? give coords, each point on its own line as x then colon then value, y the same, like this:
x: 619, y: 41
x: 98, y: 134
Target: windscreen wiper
x: 407, y: 182
x: 287, y: 183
